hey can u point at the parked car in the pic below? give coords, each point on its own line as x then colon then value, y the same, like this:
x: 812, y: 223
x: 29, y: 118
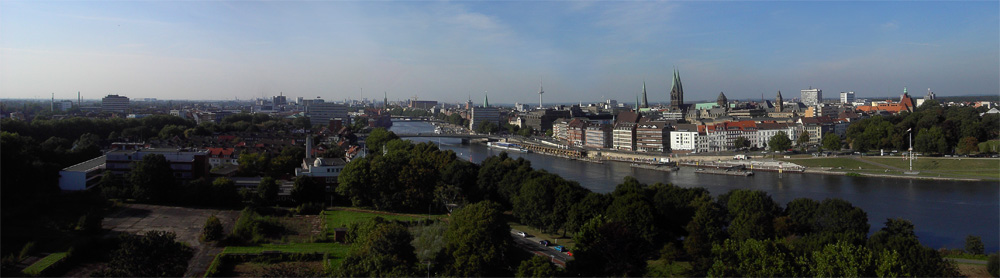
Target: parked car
x: 544, y: 242
x: 522, y: 234
x: 561, y: 248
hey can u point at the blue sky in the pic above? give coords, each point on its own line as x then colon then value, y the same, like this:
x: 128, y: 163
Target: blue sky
x: 448, y: 51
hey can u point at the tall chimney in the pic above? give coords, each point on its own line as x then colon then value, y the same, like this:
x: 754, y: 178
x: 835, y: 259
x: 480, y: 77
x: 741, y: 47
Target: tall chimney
x: 309, y: 145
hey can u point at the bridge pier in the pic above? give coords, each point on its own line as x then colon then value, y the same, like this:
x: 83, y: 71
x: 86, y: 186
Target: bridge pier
x: 465, y: 141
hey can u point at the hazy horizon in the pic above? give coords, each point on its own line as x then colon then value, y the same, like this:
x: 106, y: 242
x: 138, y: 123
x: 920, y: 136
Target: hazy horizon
x: 451, y: 51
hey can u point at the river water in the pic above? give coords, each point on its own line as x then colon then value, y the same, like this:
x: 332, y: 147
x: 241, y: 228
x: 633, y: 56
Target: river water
x: 943, y: 212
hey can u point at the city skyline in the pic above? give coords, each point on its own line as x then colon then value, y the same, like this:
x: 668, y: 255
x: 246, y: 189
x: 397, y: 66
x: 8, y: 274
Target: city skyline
x: 446, y: 51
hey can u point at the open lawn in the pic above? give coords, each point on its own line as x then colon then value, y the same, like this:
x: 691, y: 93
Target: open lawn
x: 987, y: 168
x: 837, y: 163
x: 44, y: 263
x: 975, y: 168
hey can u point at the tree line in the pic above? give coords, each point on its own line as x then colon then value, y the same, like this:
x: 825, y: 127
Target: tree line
x: 741, y: 232
x: 936, y: 129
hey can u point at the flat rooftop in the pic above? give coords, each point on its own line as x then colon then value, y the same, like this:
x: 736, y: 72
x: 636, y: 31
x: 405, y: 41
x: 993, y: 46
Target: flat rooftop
x: 87, y: 165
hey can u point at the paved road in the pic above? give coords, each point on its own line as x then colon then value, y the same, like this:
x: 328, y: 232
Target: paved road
x: 530, y: 244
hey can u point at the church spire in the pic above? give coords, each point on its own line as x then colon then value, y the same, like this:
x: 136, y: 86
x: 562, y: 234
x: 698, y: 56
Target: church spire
x: 486, y: 99
x: 676, y: 92
x: 645, y: 101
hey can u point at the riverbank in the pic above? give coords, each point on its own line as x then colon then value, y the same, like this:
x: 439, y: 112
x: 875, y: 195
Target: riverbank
x: 937, y: 169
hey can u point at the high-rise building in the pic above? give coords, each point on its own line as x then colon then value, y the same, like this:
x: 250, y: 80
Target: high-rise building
x: 847, y: 97
x: 677, y: 92
x: 280, y: 100
x: 812, y: 97
x: 322, y: 113
x: 114, y: 103
x: 481, y: 115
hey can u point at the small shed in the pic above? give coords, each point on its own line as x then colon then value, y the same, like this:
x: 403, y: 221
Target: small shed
x: 340, y: 235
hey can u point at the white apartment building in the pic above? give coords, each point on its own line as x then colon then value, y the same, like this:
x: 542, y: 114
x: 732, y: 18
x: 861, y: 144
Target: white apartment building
x: 812, y: 97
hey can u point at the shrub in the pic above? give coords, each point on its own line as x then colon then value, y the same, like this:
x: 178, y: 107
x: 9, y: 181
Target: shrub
x: 212, y: 230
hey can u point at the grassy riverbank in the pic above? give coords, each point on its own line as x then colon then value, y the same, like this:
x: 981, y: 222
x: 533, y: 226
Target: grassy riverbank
x: 944, y: 167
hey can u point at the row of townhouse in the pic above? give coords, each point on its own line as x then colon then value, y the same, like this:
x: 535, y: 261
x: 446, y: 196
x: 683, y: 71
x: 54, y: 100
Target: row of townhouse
x: 632, y: 132
x: 629, y: 132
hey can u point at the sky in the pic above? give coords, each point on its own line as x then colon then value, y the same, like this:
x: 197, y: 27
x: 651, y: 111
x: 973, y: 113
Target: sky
x: 450, y: 51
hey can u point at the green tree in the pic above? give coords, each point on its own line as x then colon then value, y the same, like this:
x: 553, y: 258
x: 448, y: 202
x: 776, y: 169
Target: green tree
x: 302, y: 123
x: 170, y: 131
x: 974, y: 245
x: 754, y: 258
x: 831, y: 141
x: 487, y: 128
x: 478, y: 239
x: 212, y: 230
x: 306, y: 190
x: 741, y: 142
x: 533, y: 205
x: 779, y: 142
x: 267, y: 191
x: 224, y: 193
x: 968, y: 145
x: 253, y: 164
x: 378, y: 138
x: 843, y: 259
x: 930, y: 141
x: 590, y: 206
x: 153, y: 254
x: 152, y: 179
x: 537, y: 266
x: 526, y: 131
x: 752, y: 213
x: 606, y: 248
x: 898, y: 236
x: 803, y: 139
x: 381, y: 250
x: 704, y: 230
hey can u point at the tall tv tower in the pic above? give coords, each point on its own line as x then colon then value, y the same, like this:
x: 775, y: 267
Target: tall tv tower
x: 541, y: 90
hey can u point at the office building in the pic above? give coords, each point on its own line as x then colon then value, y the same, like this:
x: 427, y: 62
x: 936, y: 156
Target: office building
x: 812, y: 97
x: 114, y: 103
x: 321, y: 113
x: 847, y: 97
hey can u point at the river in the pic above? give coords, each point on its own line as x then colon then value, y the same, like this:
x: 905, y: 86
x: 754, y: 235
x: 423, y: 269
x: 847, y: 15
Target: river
x: 943, y: 212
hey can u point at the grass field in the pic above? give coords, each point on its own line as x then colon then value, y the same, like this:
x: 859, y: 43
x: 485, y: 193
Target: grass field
x: 959, y: 167
x: 332, y: 248
x: 44, y: 263
x: 976, y: 168
x: 659, y: 268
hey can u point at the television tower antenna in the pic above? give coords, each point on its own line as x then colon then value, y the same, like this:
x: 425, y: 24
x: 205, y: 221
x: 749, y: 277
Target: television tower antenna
x: 541, y: 90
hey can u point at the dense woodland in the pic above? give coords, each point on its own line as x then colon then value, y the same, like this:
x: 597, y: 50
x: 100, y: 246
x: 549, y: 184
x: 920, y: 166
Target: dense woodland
x: 738, y: 233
